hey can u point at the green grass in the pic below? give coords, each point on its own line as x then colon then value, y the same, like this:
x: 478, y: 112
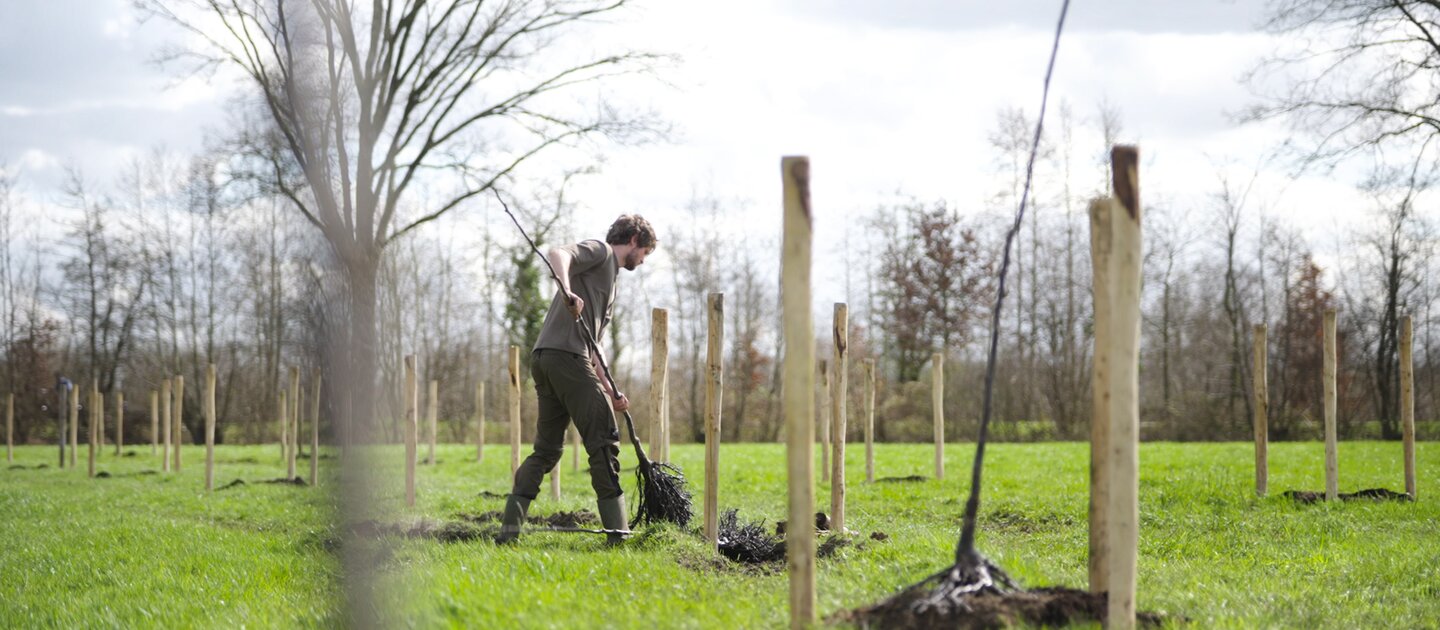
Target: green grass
x: 155, y: 551
x: 138, y: 550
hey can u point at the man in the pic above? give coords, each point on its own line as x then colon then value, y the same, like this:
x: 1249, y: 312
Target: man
x: 566, y: 373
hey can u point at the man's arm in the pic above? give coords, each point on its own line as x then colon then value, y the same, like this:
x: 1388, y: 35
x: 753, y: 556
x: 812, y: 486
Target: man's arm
x: 602, y: 374
x: 560, y: 260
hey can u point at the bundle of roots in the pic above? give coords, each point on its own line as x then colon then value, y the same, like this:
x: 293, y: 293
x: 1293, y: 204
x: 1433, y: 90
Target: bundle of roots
x: 748, y: 542
x: 663, y: 497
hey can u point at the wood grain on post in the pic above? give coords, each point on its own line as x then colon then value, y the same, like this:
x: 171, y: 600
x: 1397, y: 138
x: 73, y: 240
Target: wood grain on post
x: 294, y: 417
x: 434, y: 418
x: 822, y: 368
x: 869, y: 420
x: 1332, y: 448
x: 119, y: 421
x: 1407, y: 403
x: 1100, y: 253
x: 412, y: 412
x: 154, y: 422
x: 209, y: 410
x: 937, y: 394
x: 479, y: 421
x: 659, y: 374
x: 1123, y: 458
x: 315, y: 431
x: 166, y: 399
x: 1262, y: 403
x: 798, y: 387
x: 714, y: 388
x: 838, y: 394
x: 177, y: 424
x: 514, y: 409
x: 1262, y: 410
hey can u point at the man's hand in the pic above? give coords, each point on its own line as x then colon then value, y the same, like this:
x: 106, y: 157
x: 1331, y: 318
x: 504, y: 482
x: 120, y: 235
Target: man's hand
x: 575, y: 303
x: 620, y: 403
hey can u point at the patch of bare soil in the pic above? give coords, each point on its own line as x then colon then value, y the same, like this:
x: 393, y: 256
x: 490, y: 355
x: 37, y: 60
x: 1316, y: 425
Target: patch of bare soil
x: 558, y: 519
x: 1373, y: 494
x: 905, y: 479
x: 1048, y: 607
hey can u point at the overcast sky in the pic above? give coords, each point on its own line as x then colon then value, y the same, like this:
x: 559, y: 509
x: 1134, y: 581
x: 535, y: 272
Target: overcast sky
x: 883, y: 96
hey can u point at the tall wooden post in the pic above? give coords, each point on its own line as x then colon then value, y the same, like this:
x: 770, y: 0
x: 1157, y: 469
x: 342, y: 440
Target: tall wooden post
x: 177, y: 423
x: 798, y: 387
x: 119, y: 420
x: 555, y: 481
x: 1117, y: 262
x: 1262, y: 411
x: 96, y: 416
x: 209, y: 409
x: 1332, y: 448
x: 823, y: 369
x: 1407, y: 404
x: 10, y: 427
x: 412, y: 412
x: 937, y: 395
x: 575, y: 447
x: 315, y: 431
x: 294, y: 417
x: 838, y: 419
x: 433, y: 413
x: 283, y: 408
x: 100, y: 417
x: 154, y: 422
x: 479, y: 421
x: 714, y: 383
x: 659, y: 378
x: 74, y: 422
x: 514, y: 410
x: 167, y: 398
x: 869, y: 420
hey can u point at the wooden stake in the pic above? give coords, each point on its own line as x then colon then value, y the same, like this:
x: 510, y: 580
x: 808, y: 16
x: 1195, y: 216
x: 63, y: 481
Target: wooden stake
x: 209, y: 410
x: 154, y: 422
x: 555, y: 482
x: 479, y: 421
x: 178, y: 421
x: 714, y: 362
x: 575, y: 447
x: 94, y: 422
x: 119, y: 421
x: 284, y: 410
x: 659, y: 375
x: 100, y: 416
x: 823, y: 369
x: 1122, y: 458
x: 166, y: 399
x: 315, y: 432
x: 1262, y: 410
x: 434, y: 414
x: 798, y: 388
x: 841, y: 330
x: 869, y: 420
x: 1100, y: 254
x: 412, y: 413
x: 1332, y: 448
x: 937, y: 394
x: 10, y: 427
x: 1407, y: 404
x: 74, y: 422
x: 294, y: 417
x: 514, y: 410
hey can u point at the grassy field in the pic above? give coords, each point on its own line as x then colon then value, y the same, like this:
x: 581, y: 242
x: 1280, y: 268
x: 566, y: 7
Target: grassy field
x: 153, y: 550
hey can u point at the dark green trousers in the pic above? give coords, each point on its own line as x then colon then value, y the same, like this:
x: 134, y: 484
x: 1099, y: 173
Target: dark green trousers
x: 569, y: 392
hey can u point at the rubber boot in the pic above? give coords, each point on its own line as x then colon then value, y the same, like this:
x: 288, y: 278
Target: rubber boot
x: 612, y: 516
x: 515, y: 509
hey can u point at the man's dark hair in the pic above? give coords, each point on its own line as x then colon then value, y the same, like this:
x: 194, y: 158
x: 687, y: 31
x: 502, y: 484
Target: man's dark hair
x: 630, y: 225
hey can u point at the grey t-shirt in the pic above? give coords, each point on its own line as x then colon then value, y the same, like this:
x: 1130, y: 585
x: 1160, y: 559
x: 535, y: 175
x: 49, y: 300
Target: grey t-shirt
x: 592, y: 277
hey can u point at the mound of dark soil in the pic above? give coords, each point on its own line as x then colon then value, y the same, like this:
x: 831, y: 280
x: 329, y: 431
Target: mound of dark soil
x: 1048, y: 607
x: 486, y: 494
x: 558, y: 519
x: 1373, y: 494
x: 232, y: 484
x: 295, y: 481
x: 822, y: 524
x: 24, y: 467
x: 906, y: 479
x: 128, y: 454
x: 443, y: 531
x: 102, y: 475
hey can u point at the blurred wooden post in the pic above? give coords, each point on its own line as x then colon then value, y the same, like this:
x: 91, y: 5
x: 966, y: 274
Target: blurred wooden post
x: 74, y: 422
x: 1123, y: 414
x: 100, y: 416
x: 209, y: 409
x: 434, y: 417
x: 154, y: 422
x: 294, y: 417
x: 1407, y: 403
x: 479, y: 421
x: 10, y: 427
x: 838, y: 419
x: 166, y: 399
x: 937, y: 394
x: 798, y: 388
x: 659, y: 375
x: 555, y: 481
x: 1332, y: 449
x: 94, y: 424
x: 315, y: 431
x: 284, y: 411
x: 869, y: 420
x: 822, y: 367
x: 714, y: 389
x: 119, y: 421
x: 1262, y: 410
x: 575, y: 447
x: 177, y: 424
x: 514, y: 410
x: 412, y: 411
